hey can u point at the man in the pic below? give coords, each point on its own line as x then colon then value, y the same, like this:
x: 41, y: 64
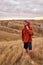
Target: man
x: 27, y: 34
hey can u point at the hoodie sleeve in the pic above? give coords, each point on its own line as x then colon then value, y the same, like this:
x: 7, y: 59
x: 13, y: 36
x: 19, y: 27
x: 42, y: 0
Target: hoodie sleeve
x: 31, y: 32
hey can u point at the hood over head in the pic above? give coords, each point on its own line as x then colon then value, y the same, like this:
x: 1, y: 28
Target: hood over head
x: 28, y: 22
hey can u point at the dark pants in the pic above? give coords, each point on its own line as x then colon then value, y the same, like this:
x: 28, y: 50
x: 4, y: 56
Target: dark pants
x: 28, y: 45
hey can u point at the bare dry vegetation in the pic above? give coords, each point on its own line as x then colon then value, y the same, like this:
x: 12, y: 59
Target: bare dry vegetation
x: 38, y: 50
x: 11, y: 53
x: 11, y: 46
x: 11, y: 29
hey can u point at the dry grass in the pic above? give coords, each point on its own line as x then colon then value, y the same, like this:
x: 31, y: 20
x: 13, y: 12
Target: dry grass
x: 11, y: 29
x: 11, y: 46
x: 38, y: 50
x: 11, y: 53
x: 5, y: 36
x: 15, y: 26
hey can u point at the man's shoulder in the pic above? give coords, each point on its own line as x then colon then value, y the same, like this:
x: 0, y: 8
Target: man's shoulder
x: 23, y: 28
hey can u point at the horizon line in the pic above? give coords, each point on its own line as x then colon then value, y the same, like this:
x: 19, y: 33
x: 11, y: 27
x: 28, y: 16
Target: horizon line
x: 23, y: 18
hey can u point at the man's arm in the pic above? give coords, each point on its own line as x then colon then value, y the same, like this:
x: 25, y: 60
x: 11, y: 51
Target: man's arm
x: 31, y: 32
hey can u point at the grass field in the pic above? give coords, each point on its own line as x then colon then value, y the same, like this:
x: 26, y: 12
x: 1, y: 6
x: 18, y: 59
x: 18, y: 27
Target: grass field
x: 11, y: 45
x: 11, y: 52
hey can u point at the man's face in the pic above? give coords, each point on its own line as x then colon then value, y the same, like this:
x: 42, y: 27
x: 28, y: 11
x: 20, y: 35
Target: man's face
x: 28, y: 23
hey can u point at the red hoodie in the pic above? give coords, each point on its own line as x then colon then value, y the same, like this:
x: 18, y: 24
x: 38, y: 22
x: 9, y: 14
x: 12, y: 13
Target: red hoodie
x: 27, y: 34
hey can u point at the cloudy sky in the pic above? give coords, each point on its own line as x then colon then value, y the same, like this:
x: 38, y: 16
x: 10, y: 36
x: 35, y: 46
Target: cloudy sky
x: 21, y: 8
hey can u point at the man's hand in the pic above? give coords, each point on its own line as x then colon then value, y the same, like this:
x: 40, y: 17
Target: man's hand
x: 27, y: 27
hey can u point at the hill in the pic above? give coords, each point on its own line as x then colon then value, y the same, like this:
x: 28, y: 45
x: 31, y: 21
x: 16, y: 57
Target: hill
x: 11, y: 29
x: 11, y: 45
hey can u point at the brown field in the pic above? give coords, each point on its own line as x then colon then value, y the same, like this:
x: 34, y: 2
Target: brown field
x: 11, y: 45
x: 11, y: 52
x: 11, y: 29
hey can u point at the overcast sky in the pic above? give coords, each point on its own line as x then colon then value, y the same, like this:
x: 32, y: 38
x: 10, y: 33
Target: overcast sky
x: 21, y: 8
